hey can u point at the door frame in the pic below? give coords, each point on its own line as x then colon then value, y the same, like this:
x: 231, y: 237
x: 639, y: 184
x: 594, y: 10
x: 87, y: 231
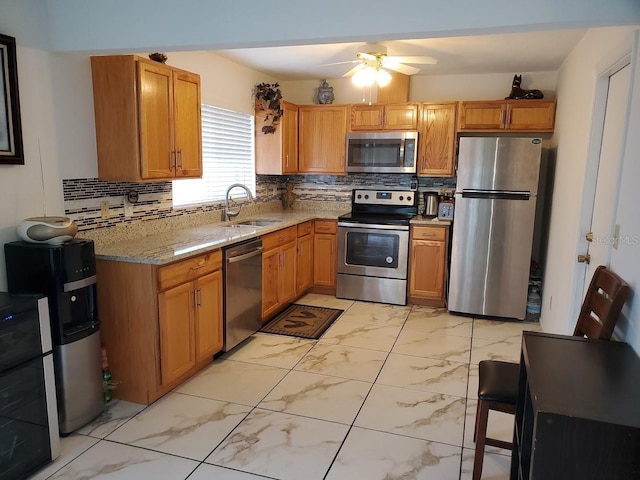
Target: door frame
x: 591, y: 174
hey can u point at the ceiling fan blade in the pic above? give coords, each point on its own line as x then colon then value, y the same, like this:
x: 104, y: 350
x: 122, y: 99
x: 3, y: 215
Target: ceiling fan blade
x: 353, y: 70
x: 366, y: 56
x: 425, y: 60
x: 338, y: 63
x: 401, y: 68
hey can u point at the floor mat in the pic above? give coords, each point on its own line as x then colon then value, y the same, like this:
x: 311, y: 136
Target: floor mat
x: 302, y: 321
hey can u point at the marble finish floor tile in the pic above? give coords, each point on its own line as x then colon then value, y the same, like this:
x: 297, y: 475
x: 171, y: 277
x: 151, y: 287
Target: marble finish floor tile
x: 494, y: 466
x: 70, y: 448
x: 318, y: 396
x: 182, y: 425
x: 273, y: 350
x: 282, y: 446
x: 371, y: 455
x: 376, y: 314
x: 484, y: 349
x: 423, y: 344
x: 502, y: 330
x: 213, y: 472
x: 425, y: 415
x: 474, y: 380
x: 374, y: 337
x: 427, y: 374
x: 500, y: 426
x: 231, y: 381
x: 113, y: 461
x: 341, y: 361
x: 438, y: 320
x: 327, y: 301
x: 115, y: 414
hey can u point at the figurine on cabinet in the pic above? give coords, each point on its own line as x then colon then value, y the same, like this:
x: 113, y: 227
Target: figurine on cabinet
x: 518, y: 93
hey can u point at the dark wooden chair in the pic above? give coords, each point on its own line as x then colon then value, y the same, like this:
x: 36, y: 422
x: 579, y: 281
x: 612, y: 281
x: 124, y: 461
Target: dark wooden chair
x: 498, y: 382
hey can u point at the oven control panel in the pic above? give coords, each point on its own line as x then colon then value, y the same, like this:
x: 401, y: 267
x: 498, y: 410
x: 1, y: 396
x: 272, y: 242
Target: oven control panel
x: 396, y: 198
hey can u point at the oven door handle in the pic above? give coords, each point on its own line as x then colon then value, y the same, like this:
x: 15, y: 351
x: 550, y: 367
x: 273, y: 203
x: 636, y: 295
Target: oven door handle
x: 373, y: 226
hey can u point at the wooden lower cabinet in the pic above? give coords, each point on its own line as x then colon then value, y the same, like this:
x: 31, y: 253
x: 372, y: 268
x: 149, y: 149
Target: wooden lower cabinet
x: 304, y: 262
x: 428, y: 265
x: 160, y: 325
x: 278, y: 271
x: 324, y: 256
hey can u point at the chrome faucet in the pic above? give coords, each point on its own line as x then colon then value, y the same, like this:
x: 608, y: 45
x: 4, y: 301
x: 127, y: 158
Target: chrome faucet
x: 229, y: 213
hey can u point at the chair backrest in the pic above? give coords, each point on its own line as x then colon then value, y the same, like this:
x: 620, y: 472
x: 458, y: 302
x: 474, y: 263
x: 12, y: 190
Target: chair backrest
x: 602, y: 305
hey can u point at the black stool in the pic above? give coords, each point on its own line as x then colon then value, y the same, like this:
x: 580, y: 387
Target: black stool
x: 497, y: 390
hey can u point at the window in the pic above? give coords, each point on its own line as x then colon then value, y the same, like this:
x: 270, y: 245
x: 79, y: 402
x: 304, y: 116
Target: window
x: 227, y: 157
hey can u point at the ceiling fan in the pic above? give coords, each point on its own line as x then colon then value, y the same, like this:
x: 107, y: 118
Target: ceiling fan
x: 373, y: 62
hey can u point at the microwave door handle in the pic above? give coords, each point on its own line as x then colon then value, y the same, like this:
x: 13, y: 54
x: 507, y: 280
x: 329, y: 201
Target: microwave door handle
x: 402, y: 140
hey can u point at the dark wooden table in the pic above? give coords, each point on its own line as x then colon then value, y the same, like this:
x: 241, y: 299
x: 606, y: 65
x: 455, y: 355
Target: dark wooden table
x: 578, y: 410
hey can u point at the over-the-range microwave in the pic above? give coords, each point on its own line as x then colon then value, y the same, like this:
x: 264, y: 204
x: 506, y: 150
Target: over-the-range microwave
x: 382, y: 152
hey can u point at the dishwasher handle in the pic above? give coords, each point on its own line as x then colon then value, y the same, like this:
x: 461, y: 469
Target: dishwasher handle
x: 239, y: 258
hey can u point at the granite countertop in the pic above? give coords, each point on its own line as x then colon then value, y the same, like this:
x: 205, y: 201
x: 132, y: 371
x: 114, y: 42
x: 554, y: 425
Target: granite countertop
x: 420, y: 220
x: 174, y: 245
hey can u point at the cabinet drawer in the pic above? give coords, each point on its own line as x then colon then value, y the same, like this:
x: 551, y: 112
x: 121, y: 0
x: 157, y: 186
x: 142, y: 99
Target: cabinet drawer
x: 305, y: 228
x: 325, y: 226
x: 275, y: 239
x: 429, y: 233
x: 187, y: 270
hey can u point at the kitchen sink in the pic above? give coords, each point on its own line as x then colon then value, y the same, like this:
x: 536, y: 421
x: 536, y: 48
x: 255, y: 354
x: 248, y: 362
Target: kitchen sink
x: 258, y: 223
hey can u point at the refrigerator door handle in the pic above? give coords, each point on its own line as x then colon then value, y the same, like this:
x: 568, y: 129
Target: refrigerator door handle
x: 496, y: 194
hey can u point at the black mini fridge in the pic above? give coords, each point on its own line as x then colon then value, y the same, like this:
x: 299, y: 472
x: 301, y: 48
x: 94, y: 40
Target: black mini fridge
x: 66, y: 274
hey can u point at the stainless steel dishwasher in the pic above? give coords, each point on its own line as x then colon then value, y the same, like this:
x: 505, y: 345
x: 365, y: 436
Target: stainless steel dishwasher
x: 242, y: 291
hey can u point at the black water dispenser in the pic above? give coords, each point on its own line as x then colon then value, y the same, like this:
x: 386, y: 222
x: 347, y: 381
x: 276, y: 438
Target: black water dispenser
x: 66, y: 274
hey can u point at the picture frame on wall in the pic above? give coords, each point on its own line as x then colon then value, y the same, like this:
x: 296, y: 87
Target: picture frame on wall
x: 11, y: 150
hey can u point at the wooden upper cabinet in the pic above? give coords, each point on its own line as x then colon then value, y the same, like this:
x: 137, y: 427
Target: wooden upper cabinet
x: 384, y: 117
x: 437, y: 139
x: 507, y: 115
x: 322, y: 136
x: 148, y: 119
x: 277, y: 153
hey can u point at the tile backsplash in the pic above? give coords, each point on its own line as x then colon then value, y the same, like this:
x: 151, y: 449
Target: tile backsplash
x: 84, y: 198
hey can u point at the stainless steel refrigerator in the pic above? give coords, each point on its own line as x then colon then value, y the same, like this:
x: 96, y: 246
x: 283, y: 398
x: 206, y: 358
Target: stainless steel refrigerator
x: 495, y: 203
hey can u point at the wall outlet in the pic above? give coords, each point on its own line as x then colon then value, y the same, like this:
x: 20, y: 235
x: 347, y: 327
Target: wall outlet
x: 104, y: 207
x: 128, y: 208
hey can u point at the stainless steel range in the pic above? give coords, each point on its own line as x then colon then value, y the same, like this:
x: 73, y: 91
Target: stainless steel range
x: 373, y: 246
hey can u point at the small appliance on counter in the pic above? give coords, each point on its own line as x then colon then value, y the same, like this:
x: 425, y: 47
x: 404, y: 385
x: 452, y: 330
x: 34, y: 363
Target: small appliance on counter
x: 66, y: 274
x: 431, y: 202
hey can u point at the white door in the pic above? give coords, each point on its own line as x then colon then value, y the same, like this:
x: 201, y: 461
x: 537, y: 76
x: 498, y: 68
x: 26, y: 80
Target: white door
x: 603, y: 230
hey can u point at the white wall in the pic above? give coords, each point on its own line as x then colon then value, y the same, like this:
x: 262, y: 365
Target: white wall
x: 598, y: 50
x: 427, y: 88
x: 21, y: 188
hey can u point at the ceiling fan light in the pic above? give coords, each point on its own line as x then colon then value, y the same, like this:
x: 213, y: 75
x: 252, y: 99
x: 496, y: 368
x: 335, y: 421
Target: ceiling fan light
x: 383, y: 78
x: 365, y: 77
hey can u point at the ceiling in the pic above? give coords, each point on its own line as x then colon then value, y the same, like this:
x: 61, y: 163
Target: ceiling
x: 504, y: 53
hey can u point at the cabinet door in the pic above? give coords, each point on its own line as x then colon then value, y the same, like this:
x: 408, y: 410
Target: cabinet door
x: 177, y: 332
x: 427, y: 269
x: 287, y: 273
x: 367, y: 117
x: 323, y: 132
x: 208, y: 299
x: 155, y: 89
x: 304, y: 264
x: 289, y: 125
x: 401, y: 117
x: 482, y: 116
x: 270, y: 267
x: 532, y: 116
x: 437, y: 140
x: 187, y: 124
x: 324, y: 260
